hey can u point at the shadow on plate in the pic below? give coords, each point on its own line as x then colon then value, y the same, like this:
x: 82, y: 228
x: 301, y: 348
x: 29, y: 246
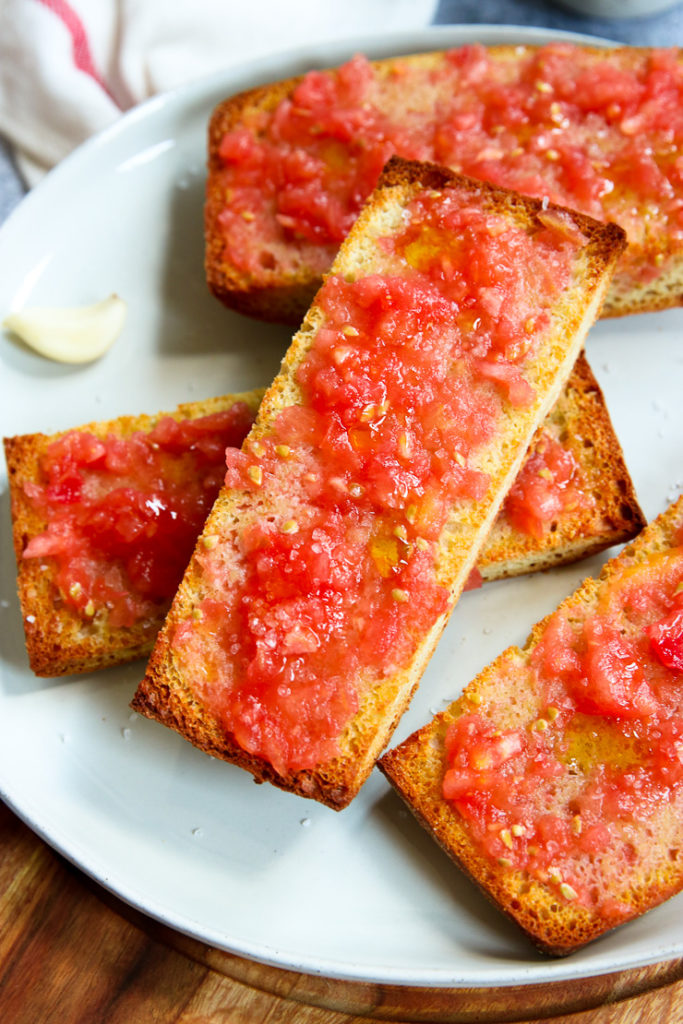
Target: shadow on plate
x: 192, y: 319
x: 490, y: 929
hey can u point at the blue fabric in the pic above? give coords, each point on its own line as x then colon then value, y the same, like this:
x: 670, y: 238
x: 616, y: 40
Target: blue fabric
x: 11, y: 186
x: 665, y: 29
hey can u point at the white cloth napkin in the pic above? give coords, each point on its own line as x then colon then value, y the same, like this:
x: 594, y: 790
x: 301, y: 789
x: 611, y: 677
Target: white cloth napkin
x: 70, y: 67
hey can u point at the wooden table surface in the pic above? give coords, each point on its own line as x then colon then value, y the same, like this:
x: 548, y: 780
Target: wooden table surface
x: 70, y: 953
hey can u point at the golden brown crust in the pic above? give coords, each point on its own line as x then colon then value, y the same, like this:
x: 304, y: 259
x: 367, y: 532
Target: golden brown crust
x: 581, y: 421
x: 167, y: 694
x: 284, y: 298
x: 416, y: 769
x: 283, y: 301
x: 580, y: 415
x: 58, y: 640
x: 664, y: 292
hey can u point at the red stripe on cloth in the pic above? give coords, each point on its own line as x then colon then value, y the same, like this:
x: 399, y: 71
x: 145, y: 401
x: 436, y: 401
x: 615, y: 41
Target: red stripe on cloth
x: 82, y: 55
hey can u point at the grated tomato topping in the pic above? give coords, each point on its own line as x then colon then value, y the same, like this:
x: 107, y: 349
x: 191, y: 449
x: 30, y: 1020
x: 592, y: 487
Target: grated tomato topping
x: 557, y: 121
x: 407, y: 378
x: 604, y: 749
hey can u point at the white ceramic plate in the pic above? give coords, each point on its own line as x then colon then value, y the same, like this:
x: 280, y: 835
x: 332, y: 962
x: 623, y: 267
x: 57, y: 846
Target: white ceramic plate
x: 362, y: 894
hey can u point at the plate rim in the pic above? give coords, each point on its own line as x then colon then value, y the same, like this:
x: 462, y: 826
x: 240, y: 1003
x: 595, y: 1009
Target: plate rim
x: 433, y: 37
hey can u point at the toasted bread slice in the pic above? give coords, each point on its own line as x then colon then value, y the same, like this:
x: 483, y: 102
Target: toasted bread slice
x: 589, y: 128
x: 602, y: 511
x: 63, y: 633
x: 569, y: 749
x: 298, y: 635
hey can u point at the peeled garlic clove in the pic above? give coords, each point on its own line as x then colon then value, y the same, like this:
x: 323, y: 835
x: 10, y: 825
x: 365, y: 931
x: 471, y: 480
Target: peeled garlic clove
x: 75, y: 335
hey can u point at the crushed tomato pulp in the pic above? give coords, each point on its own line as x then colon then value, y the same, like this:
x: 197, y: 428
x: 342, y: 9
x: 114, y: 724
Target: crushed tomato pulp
x: 548, y: 484
x: 125, y: 547
x: 330, y: 585
x: 123, y: 514
x: 567, y: 794
x: 587, y: 130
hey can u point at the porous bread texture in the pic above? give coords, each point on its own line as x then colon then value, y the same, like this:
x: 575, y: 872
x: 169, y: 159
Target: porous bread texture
x: 664, y: 291
x: 580, y: 419
x: 505, y: 691
x: 281, y: 298
x: 167, y: 693
x: 58, y: 640
x: 284, y: 296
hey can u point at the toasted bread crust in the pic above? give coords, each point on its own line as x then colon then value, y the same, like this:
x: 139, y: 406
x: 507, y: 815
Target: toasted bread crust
x: 285, y: 297
x: 417, y: 766
x: 581, y: 419
x: 580, y: 414
x: 166, y: 693
x: 58, y: 640
x: 279, y: 301
x: 664, y: 292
